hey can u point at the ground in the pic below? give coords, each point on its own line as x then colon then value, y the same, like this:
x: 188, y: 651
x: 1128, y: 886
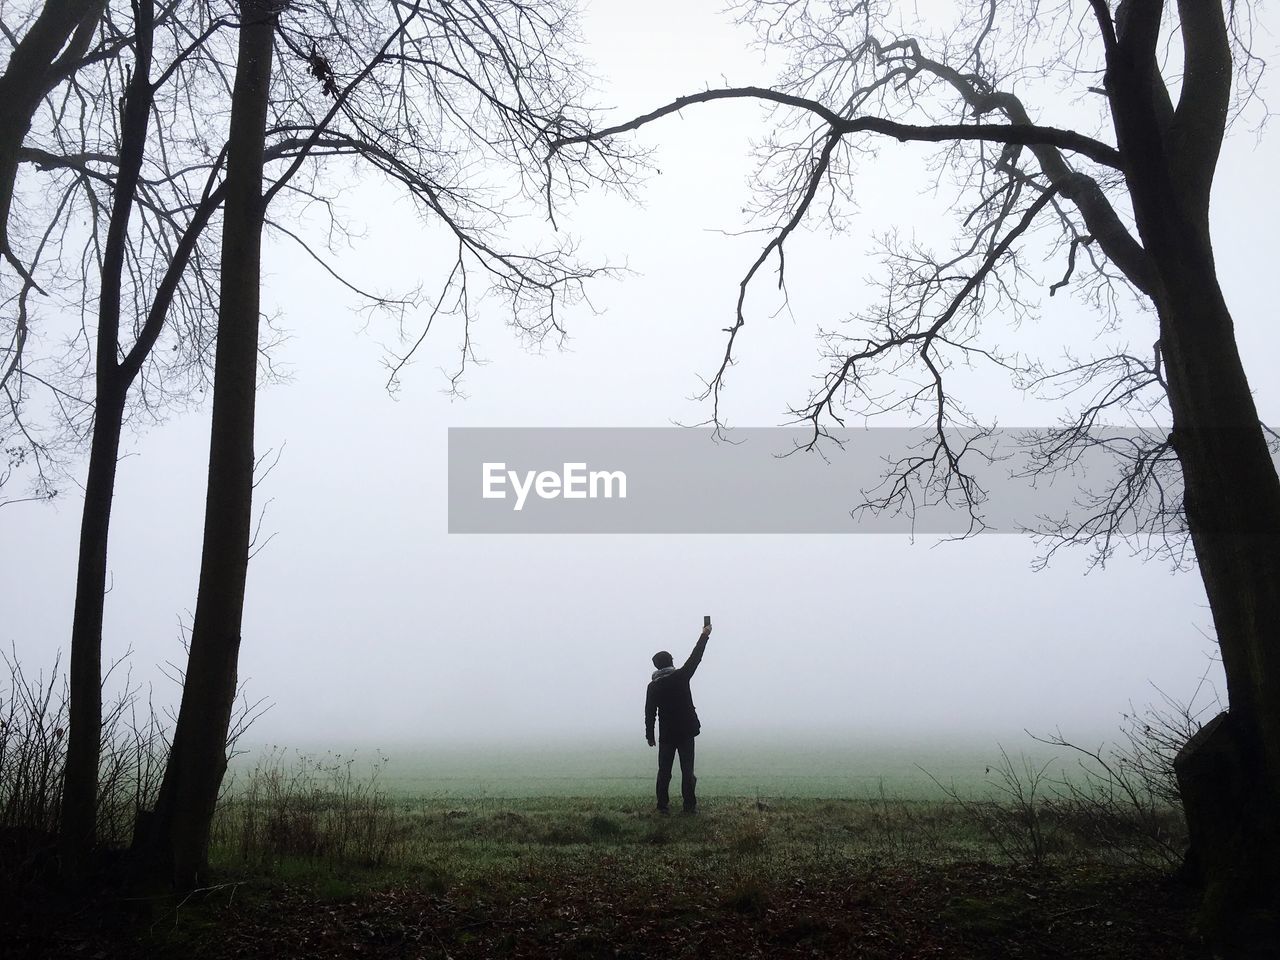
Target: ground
x: 609, y: 878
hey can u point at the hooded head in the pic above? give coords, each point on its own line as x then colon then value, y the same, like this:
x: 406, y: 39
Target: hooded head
x: 662, y: 659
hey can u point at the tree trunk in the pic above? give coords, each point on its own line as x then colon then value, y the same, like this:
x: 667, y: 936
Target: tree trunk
x: 1229, y: 820
x: 179, y: 832
x: 80, y: 782
x: 1230, y: 776
x: 47, y: 51
x: 1230, y: 780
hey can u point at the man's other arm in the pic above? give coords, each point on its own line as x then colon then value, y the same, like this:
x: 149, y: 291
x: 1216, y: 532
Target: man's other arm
x: 695, y: 658
x: 650, y: 712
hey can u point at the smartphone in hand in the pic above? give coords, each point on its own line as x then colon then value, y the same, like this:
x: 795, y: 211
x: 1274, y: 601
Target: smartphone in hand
x: 706, y: 621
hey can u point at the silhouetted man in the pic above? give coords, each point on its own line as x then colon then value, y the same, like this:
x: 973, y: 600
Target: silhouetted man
x: 670, y: 700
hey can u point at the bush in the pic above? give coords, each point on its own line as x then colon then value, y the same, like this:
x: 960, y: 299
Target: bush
x: 310, y: 808
x: 33, y: 746
x: 1016, y: 815
x: 1122, y: 804
x: 1125, y: 800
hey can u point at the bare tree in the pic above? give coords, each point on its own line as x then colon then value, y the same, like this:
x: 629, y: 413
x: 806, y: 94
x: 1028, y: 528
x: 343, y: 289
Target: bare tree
x: 438, y: 100
x: 48, y: 44
x: 79, y: 800
x: 1122, y: 195
x: 49, y: 51
x: 133, y: 148
x: 46, y: 66
x: 59, y: 237
x: 147, y: 205
x: 197, y: 759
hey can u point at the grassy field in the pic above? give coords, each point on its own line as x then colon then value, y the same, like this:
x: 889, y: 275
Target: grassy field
x: 343, y: 855
x: 818, y: 767
x: 607, y: 877
x: 483, y: 841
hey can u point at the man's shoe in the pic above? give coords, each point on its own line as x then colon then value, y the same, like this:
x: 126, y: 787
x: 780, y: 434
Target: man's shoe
x: 689, y: 812
x: 664, y: 812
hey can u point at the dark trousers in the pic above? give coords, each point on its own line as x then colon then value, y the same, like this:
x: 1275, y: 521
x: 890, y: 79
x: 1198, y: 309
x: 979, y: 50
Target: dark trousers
x: 667, y: 750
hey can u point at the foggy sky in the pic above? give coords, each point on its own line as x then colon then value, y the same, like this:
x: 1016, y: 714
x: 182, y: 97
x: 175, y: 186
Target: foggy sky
x: 366, y: 621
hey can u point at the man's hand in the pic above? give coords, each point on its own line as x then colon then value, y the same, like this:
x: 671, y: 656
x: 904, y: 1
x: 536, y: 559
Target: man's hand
x: 650, y: 739
x: 706, y: 630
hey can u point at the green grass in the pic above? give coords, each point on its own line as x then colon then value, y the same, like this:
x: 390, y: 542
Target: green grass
x: 291, y: 811
x: 498, y: 841
x: 587, y: 876
x: 729, y: 766
x: 312, y: 857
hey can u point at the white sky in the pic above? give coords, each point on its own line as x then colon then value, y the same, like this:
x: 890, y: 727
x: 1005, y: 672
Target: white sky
x: 367, y: 621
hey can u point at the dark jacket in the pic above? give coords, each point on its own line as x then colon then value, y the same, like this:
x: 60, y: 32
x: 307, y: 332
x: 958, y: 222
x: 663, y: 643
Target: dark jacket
x: 670, y: 700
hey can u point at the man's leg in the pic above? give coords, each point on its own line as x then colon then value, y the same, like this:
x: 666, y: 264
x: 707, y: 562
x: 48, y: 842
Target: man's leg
x: 688, y: 782
x: 666, y: 757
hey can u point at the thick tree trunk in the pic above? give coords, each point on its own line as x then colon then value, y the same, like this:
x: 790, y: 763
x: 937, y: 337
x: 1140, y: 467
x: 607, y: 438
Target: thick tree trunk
x: 1230, y: 775
x: 1230, y: 779
x: 80, y: 782
x: 1232, y: 505
x: 53, y: 44
x: 1232, y: 828
x: 179, y: 832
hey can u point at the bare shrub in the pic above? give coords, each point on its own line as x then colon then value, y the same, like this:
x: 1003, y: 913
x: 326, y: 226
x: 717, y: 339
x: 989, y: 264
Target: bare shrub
x: 33, y: 724
x: 1119, y: 804
x: 1124, y: 801
x: 318, y: 809
x: 1017, y: 814
x: 33, y: 744
x: 135, y: 747
x: 903, y: 829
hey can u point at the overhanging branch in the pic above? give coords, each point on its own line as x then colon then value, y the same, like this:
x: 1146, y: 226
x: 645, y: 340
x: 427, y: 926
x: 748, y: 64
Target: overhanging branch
x: 1021, y: 134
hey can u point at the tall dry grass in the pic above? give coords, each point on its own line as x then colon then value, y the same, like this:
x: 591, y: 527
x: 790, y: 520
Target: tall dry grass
x: 320, y: 809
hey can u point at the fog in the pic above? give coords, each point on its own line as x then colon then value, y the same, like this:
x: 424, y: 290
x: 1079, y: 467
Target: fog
x: 366, y: 622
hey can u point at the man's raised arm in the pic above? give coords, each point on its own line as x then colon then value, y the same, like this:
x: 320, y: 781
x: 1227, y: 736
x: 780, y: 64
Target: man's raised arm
x: 695, y: 658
